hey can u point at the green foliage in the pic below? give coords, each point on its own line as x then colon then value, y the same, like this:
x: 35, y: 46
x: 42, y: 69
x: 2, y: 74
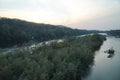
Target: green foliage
x: 0, y: 50
x: 11, y: 36
x: 68, y: 60
x: 16, y: 32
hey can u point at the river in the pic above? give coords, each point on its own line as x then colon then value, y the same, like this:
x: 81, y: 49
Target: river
x: 36, y: 45
x: 106, y: 67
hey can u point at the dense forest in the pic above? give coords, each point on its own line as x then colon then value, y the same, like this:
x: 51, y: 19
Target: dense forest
x: 68, y: 60
x: 114, y: 33
x: 15, y: 31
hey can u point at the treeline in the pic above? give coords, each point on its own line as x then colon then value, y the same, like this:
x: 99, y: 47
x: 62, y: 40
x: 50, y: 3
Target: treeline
x: 68, y: 60
x: 17, y: 32
x: 114, y: 33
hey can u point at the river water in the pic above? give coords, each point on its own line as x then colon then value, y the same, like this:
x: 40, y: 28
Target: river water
x: 106, y: 67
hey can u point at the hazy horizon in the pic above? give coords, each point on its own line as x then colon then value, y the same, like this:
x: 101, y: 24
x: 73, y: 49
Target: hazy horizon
x: 80, y: 14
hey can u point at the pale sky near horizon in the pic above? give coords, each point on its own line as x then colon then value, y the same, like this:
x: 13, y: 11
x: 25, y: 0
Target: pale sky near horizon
x: 82, y: 14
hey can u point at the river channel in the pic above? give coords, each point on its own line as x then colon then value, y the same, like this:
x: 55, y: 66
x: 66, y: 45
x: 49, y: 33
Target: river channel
x: 106, y: 67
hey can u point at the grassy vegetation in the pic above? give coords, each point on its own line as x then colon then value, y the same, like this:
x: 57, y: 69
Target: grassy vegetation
x: 68, y: 60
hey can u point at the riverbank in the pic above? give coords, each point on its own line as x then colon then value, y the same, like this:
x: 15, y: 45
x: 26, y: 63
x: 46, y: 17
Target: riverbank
x: 32, y: 45
x: 68, y: 60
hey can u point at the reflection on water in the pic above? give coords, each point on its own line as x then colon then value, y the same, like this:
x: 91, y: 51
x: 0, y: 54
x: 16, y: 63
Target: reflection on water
x: 106, y: 66
x: 110, y: 55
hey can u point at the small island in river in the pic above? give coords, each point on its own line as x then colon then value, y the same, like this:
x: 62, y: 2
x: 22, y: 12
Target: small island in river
x: 110, y: 51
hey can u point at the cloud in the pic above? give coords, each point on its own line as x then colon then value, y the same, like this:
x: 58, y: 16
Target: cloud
x: 74, y: 13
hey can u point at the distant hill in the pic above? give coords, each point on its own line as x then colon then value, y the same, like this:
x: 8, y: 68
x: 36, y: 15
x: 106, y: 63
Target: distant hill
x: 17, y: 32
x: 114, y: 33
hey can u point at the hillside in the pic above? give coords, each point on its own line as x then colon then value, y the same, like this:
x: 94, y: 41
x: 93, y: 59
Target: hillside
x: 17, y: 32
x: 68, y: 60
x: 115, y: 33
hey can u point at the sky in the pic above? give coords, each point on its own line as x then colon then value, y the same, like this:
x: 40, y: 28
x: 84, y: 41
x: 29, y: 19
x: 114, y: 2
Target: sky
x: 80, y: 14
